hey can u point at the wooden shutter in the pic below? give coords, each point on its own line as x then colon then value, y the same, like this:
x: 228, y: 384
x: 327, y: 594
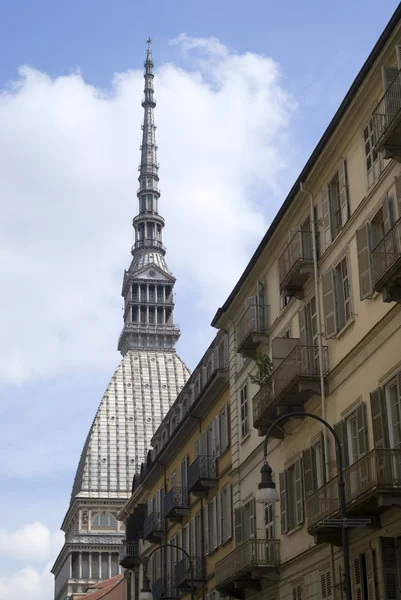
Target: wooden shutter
x: 370, y: 574
x: 283, y: 502
x: 387, y: 213
x: 357, y: 582
x: 329, y: 305
x: 252, y: 518
x: 361, y: 430
x: 229, y: 511
x: 223, y: 422
x: 398, y: 194
x: 238, y: 525
x: 215, y: 523
x: 343, y: 185
x: 219, y: 520
x: 302, y: 326
x: 206, y: 528
x: 325, y: 196
x: 325, y: 585
x: 341, y: 430
x: 364, y: 262
x: 299, y: 499
x: 388, y: 551
x: 309, y: 478
x: 379, y: 418
x: 216, y: 424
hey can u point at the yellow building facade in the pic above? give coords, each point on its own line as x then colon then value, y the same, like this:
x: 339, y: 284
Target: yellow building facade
x: 183, y: 494
x: 321, y: 298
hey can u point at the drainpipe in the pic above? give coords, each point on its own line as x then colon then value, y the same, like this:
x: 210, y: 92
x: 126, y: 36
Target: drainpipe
x: 321, y: 359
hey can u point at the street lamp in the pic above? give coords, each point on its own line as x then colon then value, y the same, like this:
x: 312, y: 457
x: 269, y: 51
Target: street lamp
x: 267, y: 489
x: 146, y: 592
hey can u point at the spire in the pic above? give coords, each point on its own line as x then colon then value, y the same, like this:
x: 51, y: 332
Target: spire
x: 148, y: 284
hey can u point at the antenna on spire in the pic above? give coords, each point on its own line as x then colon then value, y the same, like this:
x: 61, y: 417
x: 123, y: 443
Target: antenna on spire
x: 149, y: 41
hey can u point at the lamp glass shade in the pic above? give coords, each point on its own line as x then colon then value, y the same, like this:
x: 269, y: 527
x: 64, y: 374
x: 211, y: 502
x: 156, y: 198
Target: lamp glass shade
x: 145, y: 595
x: 265, y: 495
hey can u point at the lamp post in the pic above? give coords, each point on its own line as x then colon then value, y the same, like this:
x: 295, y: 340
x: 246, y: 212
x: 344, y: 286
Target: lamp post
x: 267, y: 489
x: 146, y: 592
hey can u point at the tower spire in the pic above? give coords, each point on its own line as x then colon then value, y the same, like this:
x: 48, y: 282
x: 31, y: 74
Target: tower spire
x: 148, y: 284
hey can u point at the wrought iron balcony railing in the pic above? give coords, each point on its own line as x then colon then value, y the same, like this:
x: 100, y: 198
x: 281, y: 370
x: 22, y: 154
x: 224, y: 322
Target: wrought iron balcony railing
x: 163, y: 589
x: 202, y: 473
x: 252, y: 324
x: 129, y: 554
x: 385, y: 115
x: 378, y: 473
x: 386, y: 258
x: 296, y: 263
x: 291, y: 383
x: 182, y: 571
x: 175, y: 501
x: 258, y: 555
x: 153, y: 526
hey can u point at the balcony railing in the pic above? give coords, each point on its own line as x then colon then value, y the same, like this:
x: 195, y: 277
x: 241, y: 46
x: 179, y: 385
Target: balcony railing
x: 153, y: 526
x: 257, y: 555
x: 202, y: 474
x: 129, y: 554
x: 182, y: 572
x: 376, y: 473
x: 292, y: 383
x: 385, y: 116
x: 296, y: 263
x: 175, y: 502
x: 148, y: 244
x: 163, y: 589
x: 251, y: 327
x: 386, y: 258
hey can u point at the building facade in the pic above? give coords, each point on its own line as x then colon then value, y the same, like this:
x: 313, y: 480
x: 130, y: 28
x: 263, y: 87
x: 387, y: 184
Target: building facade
x: 182, y: 495
x: 321, y: 298
x: 141, y: 391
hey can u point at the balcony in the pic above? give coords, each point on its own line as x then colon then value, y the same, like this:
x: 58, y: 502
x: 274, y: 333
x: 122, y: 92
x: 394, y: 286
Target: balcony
x: 296, y: 264
x: 149, y: 244
x: 246, y: 566
x: 202, y: 475
x: 386, y: 260
x: 153, y: 527
x: 252, y: 330
x: 386, y: 120
x: 295, y: 380
x: 175, y: 504
x: 129, y: 555
x: 372, y: 485
x: 182, y: 573
x: 163, y: 589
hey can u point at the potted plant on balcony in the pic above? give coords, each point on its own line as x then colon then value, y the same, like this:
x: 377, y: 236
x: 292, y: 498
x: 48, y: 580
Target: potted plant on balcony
x: 264, y: 369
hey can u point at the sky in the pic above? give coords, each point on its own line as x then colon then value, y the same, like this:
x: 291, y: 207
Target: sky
x: 243, y: 92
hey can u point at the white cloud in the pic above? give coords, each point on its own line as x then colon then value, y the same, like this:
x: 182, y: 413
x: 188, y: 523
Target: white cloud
x: 32, y: 542
x: 27, y: 583
x: 68, y: 157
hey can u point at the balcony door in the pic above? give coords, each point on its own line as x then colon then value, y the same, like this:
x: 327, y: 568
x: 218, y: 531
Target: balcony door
x: 393, y: 405
x: 270, y: 533
x: 308, y: 334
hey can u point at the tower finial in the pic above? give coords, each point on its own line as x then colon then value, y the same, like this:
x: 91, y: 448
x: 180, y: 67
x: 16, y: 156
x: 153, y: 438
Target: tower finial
x: 149, y: 41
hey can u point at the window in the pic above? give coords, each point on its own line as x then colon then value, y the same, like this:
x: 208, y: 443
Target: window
x: 291, y: 497
x: 104, y: 521
x: 352, y: 433
x: 335, y: 204
x: 313, y: 467
x: 373, y: 160
x: 385, y: 405
x: 245, y: 522
x: 223, y: 427
x: 336, y: 286
x: 363, y: 576
x: 225, y: 501
x: 244, y: 410
x: 325, y: 585
x: 297, y: 593
x: 284, y: 300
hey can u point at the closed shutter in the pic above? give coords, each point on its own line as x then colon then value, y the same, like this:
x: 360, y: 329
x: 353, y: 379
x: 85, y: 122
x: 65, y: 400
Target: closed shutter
x: 329, y: 306
x: 216, y: 425
x: 343, y: 185
x: 214, y: 520
x: 223, y: 422
x: 361, y: 430
x: 357, y: 582
x: 387, y: 213
x: 283, y: 502
x: 269, y: 521
x: 297, y: 592
x: 219, y: 519
x: 309, y: 477
x: 228, y: 511
x: 370, y: 574
x: 299, y: 500
x: 302, y: 327
x: 398, y: 194
x: 364, y: 262
x: 325, y: 585
x: 325, y: 196
x: 206, y: 528
x: 379, y: 418
x: 238, y: 525
x: 389, y: 566
x: 252, y: 518
x: 341, y: 430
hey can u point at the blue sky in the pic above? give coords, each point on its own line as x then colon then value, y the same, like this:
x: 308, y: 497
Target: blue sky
x: 245, y: 93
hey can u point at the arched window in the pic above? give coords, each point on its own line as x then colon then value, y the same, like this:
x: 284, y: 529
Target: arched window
x: 104, y: 521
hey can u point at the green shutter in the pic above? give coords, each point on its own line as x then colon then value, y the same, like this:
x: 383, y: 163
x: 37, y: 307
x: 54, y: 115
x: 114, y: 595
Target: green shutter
x: 309, y: 477
x: 283, y: 502
x: 388, y: 550
x: 379, y: 418
x: 329, y: 305
x: 364, y: 262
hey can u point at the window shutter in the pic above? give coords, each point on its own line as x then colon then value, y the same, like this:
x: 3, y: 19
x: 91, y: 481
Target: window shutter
x: 215, y: 523
x: 206, y: 528
x: 341, y: 430
x: 309, y: 477
x: 252, y: 519
x: 379, y: 418
x: 357, y: 578
x: 299, y: 500
x: 329, y: 306
x: 238, y: 515
x: 219, y: 519
x: 362, y: 431
x: 364, y: 262
x: 325, y: 196
x: 216, y: 422
x: 389, y: 565
x: 387, y: 213
x: 343, y: 185
x: 398, y: 194
x: 302, y: 326
x: 391, y: 98
x: 283, y: 502
x: 224, y: 429
x: 229, y: 511
x: 325, y: 585
x: 370, y: 574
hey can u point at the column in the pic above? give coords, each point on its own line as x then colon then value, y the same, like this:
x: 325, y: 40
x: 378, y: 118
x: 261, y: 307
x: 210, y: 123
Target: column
x: 109, y: 565
x: 100, y: 565
x: 80, y: 565
x: 90, y: 565
x: 164, y: 294
x: 164, y: 316
x: 70, y: 559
